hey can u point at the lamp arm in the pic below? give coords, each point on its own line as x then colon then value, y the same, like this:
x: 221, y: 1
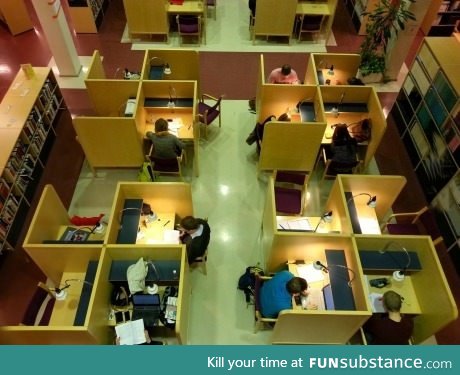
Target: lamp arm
x: 347, y: 268
x: 319, y: 222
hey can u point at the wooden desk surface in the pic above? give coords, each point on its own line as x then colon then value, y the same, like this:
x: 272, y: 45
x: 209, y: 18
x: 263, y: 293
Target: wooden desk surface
x: 306, y: 7
x: 302, y: 222
x: 405, y: 289
x: 184, y: 116
x: 188, y: 7
x: 64, y: 311
x: 86, y: 228
x: 154, y: 232
x: 338, y: 78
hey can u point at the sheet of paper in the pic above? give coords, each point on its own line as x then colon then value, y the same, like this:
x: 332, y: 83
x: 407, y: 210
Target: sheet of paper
x: 171, y: 236
x: 377, y: 302
x: 175, y: 124
x: 309, y: 273
x: 131, y: 333
x: 300, y: 224
x: 314, y: 298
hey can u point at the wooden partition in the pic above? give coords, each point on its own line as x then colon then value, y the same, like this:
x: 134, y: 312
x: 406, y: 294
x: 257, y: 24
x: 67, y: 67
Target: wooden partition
x: 385, y: 188
x: 432, y: 291
x: 95, y: 68
x: 184, y: 64
x: 162, y: 196
x: 354, y: 103
x: 273, y: 20
x: 146, y: 17
x: 345, y: 66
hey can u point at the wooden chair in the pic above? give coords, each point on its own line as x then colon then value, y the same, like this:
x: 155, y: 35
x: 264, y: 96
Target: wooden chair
x: 290, y: 191
x: 332, y: 168
x: 208, y: 113
x: 40, y: 307
x: 421, y: 222
x: 309, y: 24
x: 189, y: 26
x: 170, y: 166
x: 201, y: 263
x: 260, y: 321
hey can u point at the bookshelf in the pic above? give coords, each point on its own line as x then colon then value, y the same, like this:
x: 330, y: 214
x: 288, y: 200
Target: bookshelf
x: 355, y: 8
x: 87, y: 15
x: 28, y: 115
x: 427, y: 116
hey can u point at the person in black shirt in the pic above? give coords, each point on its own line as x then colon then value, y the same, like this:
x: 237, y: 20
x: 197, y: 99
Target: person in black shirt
x: 195, y: 234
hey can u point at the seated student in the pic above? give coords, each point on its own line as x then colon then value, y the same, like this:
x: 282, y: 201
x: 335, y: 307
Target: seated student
x: 195, y: 234
x: 343, y: 147
x: 285, y: 74
x: 391, y: 328
x: 276, y: 294
x: 165, y: 144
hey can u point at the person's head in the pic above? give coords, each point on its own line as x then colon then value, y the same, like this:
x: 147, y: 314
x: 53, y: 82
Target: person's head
x: 161, y: 125
x: 297, y: 286
x: 392, y: 301
x: 285, y: 69
x: 189, y: 224
x: 284, y: 117
x: 341, y: 134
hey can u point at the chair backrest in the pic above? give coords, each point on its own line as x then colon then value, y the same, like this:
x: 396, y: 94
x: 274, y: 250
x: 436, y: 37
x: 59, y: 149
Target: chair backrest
x: 170, y: 165
x: 188, y: 24
x: 311, y: 22
x: 335, y: 167
x: 288, y: 177
x: 37, y: 305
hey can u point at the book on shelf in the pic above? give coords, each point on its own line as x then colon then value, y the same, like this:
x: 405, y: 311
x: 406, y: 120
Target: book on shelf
x: 131, y: 333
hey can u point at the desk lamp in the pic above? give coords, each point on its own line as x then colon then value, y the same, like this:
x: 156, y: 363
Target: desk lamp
x: 317, y: 265
x: 162, y: 63
x: 372, y: 202
x: 98, y: 228
x: 326, y: 217
x: 172, y: 97
x: 61, y: 293
x: 330, y: 72
x: 398, y: 275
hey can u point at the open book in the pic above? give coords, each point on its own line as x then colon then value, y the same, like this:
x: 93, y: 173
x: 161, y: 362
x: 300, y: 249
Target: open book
x: 131, y: 333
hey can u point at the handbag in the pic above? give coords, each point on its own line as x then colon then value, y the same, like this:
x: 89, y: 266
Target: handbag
x: 361, y: 130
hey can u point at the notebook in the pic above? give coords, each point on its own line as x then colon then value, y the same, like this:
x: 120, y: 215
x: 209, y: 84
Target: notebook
x: 146, y: 307
x: 328, y: 298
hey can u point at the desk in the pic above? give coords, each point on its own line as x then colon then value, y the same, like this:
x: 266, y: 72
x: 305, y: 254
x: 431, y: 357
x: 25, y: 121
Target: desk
x: 64, y: 311
x: 405, y: 289
x: 343, y: 118
x: 338, y: 78
x: 183, y: 116
x: 188, y: 7
x: 307, y: 7
x: 301, y: 224
x: 86, y: 228
x: 153, y: 232
x: 363, y: 218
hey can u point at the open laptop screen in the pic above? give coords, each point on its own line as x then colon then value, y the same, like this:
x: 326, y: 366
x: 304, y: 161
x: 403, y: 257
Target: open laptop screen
x: 328, y: 299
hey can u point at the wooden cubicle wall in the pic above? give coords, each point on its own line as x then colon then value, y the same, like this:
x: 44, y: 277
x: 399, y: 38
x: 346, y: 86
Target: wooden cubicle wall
x: 154, y: 252
x: 337, y: 204
x: 184, y: 64
x: 356, y: 95
x: 274, y: 20
x: 290, y: 146
x: 434, y: 296
x: 385, y: 188
x: 146, y: 17
x: 95, y: 68
x: 346, y: 66
x: 162, y: 196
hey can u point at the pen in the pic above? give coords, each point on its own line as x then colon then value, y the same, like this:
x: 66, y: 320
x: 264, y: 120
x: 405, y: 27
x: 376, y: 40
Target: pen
x: 166, y: 223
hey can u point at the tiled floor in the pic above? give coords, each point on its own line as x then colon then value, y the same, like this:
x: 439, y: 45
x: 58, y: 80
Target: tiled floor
x: 228, y: 190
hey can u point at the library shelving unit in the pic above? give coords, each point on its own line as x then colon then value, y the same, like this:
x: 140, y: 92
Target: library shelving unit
x: 87, y: 15
x: 14, y: 14
x: 28, y: 118
x: 427, y: 116
x: 356, y: 8
x: 441, y: 18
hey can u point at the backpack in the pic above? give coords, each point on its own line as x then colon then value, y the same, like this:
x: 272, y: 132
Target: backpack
x: 169, y: 321
x: 145, y: 173
x: 247, y: 281
x: 119, y: 299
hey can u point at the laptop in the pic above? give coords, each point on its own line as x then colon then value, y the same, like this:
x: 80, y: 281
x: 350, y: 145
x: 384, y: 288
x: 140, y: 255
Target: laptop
x: 328, y: 298
x: 146, y: 307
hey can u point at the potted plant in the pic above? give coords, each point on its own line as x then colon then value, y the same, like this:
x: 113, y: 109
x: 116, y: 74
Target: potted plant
x: 383, y: 25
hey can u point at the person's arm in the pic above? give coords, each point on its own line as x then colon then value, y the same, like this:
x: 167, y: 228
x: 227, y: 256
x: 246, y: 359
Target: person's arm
x: 179, y: 143
x: 272, y: 77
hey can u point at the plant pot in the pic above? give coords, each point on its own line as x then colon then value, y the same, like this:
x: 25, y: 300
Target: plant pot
x: 372, y: 78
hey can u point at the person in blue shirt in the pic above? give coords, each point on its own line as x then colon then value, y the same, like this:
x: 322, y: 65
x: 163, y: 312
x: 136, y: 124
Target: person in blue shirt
x: 276, y: 294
